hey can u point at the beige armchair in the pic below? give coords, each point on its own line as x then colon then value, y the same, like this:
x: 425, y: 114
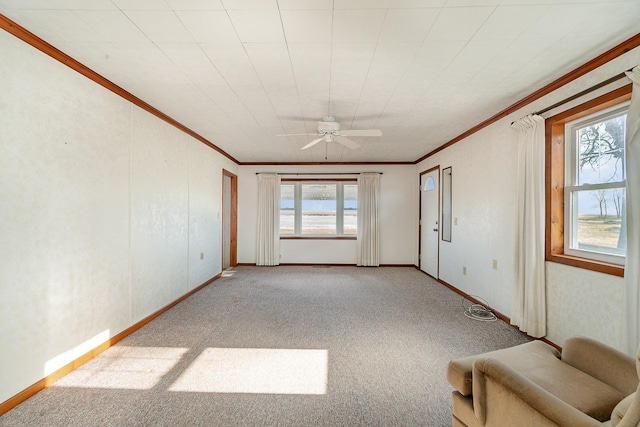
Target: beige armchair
x: 590, y: 384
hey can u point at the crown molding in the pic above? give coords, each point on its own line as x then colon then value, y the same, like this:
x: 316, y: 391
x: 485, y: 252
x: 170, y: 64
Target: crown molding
x: 28, y: 37
x: 321, y: 163
x: 596, y: 62
x: 35, y: 41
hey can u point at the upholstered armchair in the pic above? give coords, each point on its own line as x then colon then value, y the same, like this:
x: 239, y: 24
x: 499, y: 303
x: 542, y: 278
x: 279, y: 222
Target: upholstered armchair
x: 590, y: 384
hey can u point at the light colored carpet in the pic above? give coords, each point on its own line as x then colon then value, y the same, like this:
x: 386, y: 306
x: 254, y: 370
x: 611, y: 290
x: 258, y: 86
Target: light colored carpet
x: 281, y: 346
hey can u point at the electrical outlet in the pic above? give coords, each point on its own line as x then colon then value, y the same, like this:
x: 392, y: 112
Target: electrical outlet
x: 464, y: 271
x: 495, y: 264
x: 201, y: 255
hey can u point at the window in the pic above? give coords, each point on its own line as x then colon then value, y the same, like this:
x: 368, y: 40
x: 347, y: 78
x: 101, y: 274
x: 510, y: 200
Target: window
x: 430, y: 185
x: 287, y: 209
x: 595, y: 186
x: 585, y: 184
x: 318, y: 209
x: 350, y: 212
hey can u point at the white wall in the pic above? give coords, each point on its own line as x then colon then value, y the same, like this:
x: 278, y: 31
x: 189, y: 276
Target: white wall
x: 484, y: 201
x: 104, y: 212
x: 398, y: 223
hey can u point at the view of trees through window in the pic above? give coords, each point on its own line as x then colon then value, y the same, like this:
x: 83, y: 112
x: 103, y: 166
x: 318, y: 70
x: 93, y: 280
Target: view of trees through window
x: 599, y: 191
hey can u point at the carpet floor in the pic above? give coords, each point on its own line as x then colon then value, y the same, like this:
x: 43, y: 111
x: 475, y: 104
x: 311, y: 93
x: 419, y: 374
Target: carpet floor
x: 281, y: 346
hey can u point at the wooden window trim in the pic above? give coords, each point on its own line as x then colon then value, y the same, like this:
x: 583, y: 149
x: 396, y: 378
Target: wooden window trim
x: 554, y: 181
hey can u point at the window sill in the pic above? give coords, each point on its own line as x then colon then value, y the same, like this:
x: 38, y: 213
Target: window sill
x: 318, y: 238
x: 587, y: 264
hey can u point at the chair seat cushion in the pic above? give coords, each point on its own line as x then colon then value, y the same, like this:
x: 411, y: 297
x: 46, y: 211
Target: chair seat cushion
x: 580, y: 390
x: 540, y: 363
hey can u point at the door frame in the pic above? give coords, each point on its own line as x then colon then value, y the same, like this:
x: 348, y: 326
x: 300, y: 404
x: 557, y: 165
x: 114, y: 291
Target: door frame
x: 233, y: 214
x: 437, y: 167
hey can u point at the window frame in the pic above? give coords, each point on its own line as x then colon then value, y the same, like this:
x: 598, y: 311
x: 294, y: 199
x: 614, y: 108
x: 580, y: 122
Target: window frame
x: 555, y: 181
x: 340, y: 183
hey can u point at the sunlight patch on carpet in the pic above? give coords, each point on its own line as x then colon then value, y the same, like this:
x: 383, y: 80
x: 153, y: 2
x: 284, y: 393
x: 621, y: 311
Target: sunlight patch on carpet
x: 122, y: 367
x: 256, y: 371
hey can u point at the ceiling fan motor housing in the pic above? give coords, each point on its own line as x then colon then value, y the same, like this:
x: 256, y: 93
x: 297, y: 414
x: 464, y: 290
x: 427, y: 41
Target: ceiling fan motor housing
x: 328, y: 125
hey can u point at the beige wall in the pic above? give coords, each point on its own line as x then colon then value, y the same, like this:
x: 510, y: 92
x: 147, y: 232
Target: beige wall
x: 104, y: 212
x: 484, y: 194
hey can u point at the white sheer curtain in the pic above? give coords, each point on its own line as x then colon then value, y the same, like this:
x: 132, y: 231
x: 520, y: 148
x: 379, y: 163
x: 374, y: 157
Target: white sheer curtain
x: 529, y: 311
x: 631, y: 316
x: 368, y: 244
x: 268, y: 221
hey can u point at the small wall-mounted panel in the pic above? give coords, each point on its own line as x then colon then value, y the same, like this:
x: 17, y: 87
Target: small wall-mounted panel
x: 446, y: 204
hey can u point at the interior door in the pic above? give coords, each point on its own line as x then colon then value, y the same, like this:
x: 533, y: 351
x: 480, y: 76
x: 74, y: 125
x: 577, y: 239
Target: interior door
x: 429, y: 228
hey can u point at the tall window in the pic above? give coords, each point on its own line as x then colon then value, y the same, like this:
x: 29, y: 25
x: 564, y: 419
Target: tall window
x: 318, y: 208
x: 350, y: 212
x: 595, y: 186
x: 585, y: 184
x: 287, y: 209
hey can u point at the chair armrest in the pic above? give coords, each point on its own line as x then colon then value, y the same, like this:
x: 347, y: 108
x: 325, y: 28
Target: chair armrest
x: 627, y: 413
x: 600, y: 361
x: 501, y: 397
x: 531, y: 355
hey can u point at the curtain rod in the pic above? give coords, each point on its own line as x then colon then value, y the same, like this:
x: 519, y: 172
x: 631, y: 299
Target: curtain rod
x: 584, y: 92
x: 319, y: 173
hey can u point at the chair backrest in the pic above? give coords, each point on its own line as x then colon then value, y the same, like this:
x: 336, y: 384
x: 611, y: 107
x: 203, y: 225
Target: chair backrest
x: 627, y: 412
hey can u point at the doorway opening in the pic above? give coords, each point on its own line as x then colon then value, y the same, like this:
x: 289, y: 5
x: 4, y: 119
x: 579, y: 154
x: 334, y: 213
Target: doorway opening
x: 229, y: 220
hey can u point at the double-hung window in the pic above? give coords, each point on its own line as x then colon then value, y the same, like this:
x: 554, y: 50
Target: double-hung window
x: 586, y: 182
x: 595, y: 186
x: 318, y: 209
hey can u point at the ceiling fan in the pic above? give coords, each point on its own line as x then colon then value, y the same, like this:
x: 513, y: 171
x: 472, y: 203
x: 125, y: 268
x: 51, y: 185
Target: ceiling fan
x: 329, y: 130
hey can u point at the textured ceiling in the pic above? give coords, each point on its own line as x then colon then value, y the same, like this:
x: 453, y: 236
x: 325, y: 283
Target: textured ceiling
x: 241, y: 72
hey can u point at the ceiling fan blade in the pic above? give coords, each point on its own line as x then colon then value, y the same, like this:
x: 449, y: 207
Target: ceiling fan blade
x: 371, y: 132
x: 347, y: 142
x: 312, y: 143
x: 297, y: 134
